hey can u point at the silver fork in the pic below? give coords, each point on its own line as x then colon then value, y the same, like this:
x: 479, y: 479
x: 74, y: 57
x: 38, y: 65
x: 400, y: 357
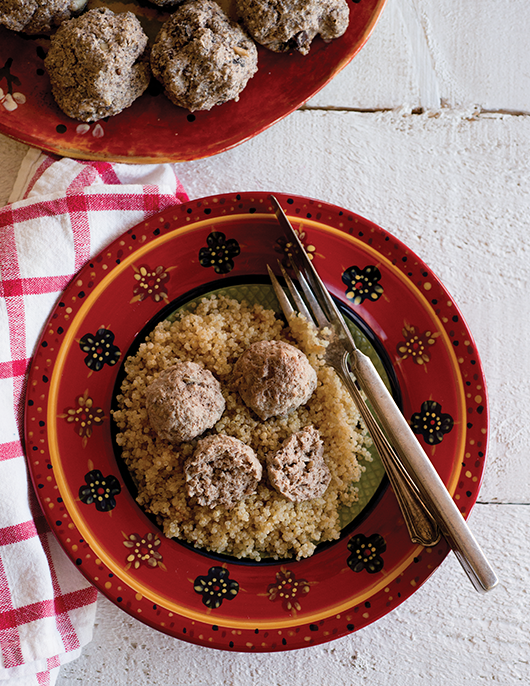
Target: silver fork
x: 420, y: 523
x: 427, y: 507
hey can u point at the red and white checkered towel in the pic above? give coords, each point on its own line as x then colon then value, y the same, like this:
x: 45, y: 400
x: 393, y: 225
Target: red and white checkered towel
x: 61, y: 213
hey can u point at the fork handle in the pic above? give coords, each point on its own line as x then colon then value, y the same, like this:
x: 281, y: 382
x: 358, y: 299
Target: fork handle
x: 423, y: 474
x: 421, y: 525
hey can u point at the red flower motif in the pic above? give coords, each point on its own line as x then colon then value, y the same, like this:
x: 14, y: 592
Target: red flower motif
x: 144, y: 550
x: 151, y: 283
x: 84, y: 417
x: 289, y: 590
x: 415, y: 344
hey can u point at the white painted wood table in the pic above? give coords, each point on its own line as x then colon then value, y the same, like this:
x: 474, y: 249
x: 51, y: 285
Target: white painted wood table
x: 426, y: 133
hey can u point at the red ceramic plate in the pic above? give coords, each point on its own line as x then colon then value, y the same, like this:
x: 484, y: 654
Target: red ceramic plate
x: 153, y: 129
x: 402, y: 308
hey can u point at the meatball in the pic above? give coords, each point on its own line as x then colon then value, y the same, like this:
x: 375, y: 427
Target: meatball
x: 184, y: 401
x: 202, y: 58
x: 169, y: 4
x: 97, y: 64
x: 222, y: 471
x: 274, y: 378
x: 37, y: 16
x: 298, y: 470
x: 283, y: 25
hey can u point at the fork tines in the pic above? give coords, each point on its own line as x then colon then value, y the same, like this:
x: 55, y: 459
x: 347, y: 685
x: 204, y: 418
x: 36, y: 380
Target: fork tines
x: 312, y: 285
x: 284, y: 301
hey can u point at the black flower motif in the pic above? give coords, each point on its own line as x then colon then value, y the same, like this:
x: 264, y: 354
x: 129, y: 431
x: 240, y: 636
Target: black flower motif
x: 100, y: 349
x: 100, y: 490
x: 366, y: 553
x: 363, y: 284
x: 219, y: 253
x: 216, y: 587
x: 431, y: 422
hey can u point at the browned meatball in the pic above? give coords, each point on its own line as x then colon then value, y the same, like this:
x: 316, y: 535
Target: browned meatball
x: 184, y: 401
x: 37, y: 16
x: 274, y: 378
x: 283, y: 25
x: 201, y: 57
x: 298, y: 470
x: 169, y: 4
x: 222, y: 471
x: 97, y: 64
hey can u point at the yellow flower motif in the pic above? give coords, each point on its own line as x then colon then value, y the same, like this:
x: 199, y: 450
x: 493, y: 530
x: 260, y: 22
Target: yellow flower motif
x: 84, y: 416
x: 144, y: 550
x: 285, y: 247
x: 288, y: 589
x: 150, y: 283
x: 416, y: 344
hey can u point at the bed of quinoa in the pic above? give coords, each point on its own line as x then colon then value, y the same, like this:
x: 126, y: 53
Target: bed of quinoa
x: 264, y: 525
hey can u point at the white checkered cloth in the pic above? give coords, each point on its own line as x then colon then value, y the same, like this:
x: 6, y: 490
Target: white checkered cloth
x: 60, y: 214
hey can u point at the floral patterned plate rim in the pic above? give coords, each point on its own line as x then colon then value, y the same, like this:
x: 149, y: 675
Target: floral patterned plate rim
x: 182, y: 591
x: 153, y: 129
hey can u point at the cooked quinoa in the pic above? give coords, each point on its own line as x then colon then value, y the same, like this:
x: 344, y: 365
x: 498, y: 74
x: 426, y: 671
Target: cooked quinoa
x: 214, y: 334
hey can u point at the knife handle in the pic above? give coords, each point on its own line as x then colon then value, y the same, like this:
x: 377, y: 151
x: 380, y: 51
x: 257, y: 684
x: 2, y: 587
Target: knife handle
x: 423, y: 474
